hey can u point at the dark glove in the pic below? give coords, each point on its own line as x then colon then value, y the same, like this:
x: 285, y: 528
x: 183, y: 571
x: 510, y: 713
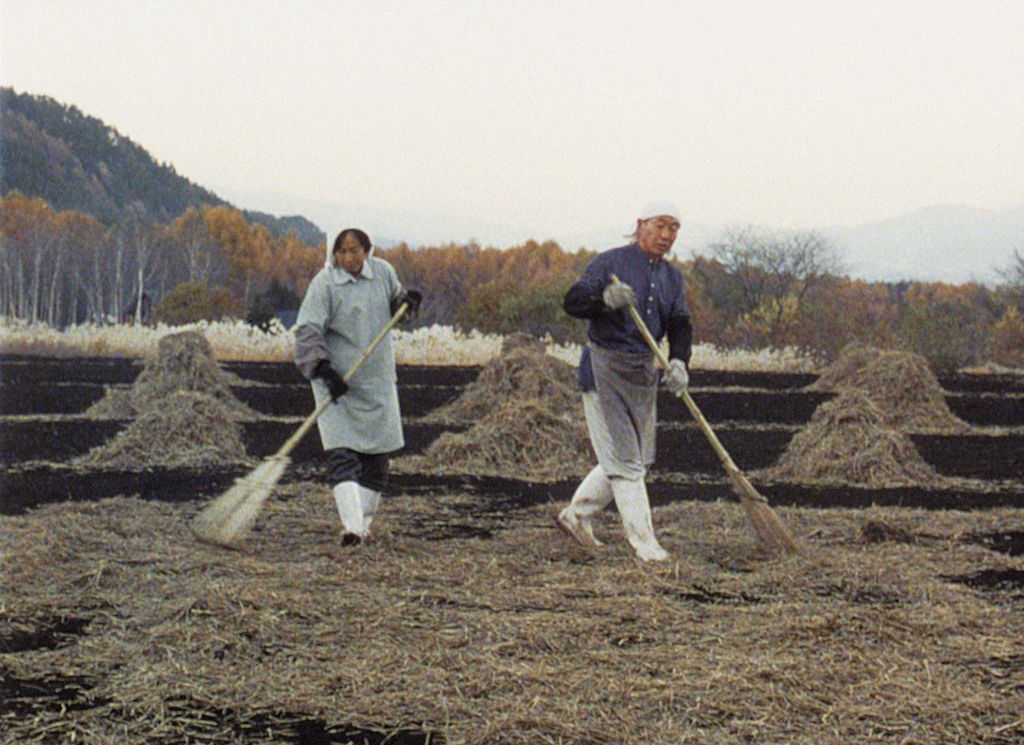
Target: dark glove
x: 336, y: 384
x: 413, y: 299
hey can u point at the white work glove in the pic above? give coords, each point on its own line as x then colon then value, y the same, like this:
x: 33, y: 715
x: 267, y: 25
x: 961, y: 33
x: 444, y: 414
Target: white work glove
x: 618, y: 295
x: 676, y: 378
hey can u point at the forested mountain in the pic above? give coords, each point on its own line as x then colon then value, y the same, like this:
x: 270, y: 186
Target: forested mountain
x: 77, y: 162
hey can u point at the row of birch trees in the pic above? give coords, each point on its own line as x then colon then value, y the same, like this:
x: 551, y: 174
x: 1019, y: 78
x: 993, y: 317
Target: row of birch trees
x: 64, y: 268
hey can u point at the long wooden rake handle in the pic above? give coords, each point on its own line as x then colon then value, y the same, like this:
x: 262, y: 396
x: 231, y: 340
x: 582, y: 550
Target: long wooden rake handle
x: 723, y: 454
x: 311, y: 419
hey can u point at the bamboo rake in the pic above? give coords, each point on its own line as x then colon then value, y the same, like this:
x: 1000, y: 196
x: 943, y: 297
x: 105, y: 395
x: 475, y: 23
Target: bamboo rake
x: 229, y: 517
x: 769, y: 528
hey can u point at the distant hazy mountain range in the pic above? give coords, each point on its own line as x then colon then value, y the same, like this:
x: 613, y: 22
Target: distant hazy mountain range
x: 75, y: 161
x: 943, y: 243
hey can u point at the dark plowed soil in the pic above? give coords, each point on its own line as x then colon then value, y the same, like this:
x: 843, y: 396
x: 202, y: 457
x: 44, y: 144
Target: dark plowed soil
x: 740, y: 408
x: 21, y: 398
x: 988, y: 409
x: 974, y: 456
x: 750, y: 406
x: 681, y: 447
x: 995, y: 383
x: 416, y: 400
x: 108, y: 370
x: 34, y: 486
x: 56, y: 440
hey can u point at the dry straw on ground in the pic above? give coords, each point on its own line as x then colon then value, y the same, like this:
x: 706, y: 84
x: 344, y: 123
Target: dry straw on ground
x: 848, y: 441
x: 524, y: 637
x: 183, y: 362
x: 525, y: 420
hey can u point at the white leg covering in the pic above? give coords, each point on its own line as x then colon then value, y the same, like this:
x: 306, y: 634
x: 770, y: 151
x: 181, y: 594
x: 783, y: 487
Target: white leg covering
x: 370, y: 500
x: 635, y: 511
x: 350, y: 507
x: 592, y: 495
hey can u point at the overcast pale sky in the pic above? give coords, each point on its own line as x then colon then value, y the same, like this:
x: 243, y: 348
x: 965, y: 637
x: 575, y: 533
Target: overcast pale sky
x: 549, y: 115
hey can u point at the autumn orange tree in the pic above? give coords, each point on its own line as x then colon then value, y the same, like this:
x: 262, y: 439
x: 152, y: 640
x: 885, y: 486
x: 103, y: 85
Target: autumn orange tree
x: 449, y: 275
x: 190, y: 302
x: 246, y: 249
x: 948, y: 324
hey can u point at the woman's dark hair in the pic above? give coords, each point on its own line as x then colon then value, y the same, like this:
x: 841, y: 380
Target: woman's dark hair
x: 359, y: 235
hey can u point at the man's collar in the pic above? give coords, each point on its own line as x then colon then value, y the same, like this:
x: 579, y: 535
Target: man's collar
x: 650, y: 259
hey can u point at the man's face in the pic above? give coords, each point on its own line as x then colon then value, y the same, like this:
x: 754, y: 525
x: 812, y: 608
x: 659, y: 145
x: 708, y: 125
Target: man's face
x: 655, y: 235
x: 352, y: 255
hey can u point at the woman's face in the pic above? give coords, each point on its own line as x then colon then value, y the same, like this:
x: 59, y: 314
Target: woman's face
x: 351, y: 256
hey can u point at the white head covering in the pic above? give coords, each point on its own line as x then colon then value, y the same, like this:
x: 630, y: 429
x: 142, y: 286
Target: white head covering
x: 657, y: 208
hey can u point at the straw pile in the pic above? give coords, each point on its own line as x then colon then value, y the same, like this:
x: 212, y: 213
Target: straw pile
x: 523, y: 371
x: 852, y: 358
x: 522, y: 638
x: 848, y: 441
x: 184, y: 362
x: 526, y: 421
x: 188, y: 429
x: 900, y: 383
x: 519, y: 439
x: 182, y: 410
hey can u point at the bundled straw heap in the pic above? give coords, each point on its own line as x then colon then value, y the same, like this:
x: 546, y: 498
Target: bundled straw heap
x: 182, y: 409
x: 188, y: 429
x: 526, y: 421
x: 852, y: 358
x: 848, y: 441
x: 901, y: 384
x: 184, y: 362
x: 522, y: 371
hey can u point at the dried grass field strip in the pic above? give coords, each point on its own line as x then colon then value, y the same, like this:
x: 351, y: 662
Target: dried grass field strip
x: 522, y: 637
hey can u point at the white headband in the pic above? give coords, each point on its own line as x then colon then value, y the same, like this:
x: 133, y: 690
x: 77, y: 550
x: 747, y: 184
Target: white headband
x: 658, y: 208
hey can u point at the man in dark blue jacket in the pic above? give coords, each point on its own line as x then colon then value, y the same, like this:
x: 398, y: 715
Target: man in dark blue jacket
x: 618, y: 377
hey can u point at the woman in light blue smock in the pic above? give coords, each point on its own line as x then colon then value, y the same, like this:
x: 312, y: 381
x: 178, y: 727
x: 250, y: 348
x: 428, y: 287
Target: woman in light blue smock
x: 346, y: 305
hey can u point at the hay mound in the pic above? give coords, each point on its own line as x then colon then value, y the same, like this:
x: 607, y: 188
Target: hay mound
x: 526, y: 419
x: 523, y: 371
x: 187, y: 429
x: 906, y: 391
x: 901, y: 384
x: 852, y: 358
x: 848, y: 441
x: 184, y: 362
x: 522, y: 439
